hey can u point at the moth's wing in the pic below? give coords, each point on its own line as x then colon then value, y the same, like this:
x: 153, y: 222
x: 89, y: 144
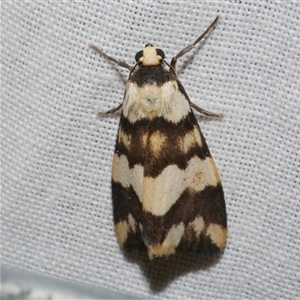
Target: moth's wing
x: 183, y: 200
x: 127, y: 178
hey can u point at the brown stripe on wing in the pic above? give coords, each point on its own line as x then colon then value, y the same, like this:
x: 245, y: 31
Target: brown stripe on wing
x: 131, y: 140
x: 192, y: 208
x: 171, y: 151
x: 127, y: 211
x: 158, y: 143
x: 202, y: 245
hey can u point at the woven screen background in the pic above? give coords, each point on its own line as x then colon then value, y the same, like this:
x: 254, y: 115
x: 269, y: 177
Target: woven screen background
x: 56, y: 211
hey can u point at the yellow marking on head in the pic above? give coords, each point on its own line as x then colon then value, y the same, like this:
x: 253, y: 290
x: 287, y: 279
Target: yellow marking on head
x: 156, y: 142
x: 124, y: 138
x: 217, y: 234
x: 150, y: 57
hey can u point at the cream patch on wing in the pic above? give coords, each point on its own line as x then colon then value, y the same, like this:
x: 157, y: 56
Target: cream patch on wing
x: 174, y: 236
x: 124, y: 138
x: 197, y: 225
x: 123, y: 228
x: 157, y: 141
x: 150, y: 101
x: 131, y: 222
x: 169, y: 244
x: 144, y: 140
x: 160, y: 193
x: 123, y: 174
x: 217, y: 234
x: 191, y: 139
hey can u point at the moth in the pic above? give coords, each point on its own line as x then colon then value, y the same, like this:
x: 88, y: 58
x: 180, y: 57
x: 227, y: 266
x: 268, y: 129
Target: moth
x: 167, y: 193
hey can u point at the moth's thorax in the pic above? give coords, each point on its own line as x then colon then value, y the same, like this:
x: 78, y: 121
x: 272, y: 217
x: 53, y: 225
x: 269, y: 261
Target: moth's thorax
x: 156, y: 75
x: 152, y: 100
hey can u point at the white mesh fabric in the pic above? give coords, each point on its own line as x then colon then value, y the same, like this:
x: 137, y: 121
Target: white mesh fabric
x: 56, y: 211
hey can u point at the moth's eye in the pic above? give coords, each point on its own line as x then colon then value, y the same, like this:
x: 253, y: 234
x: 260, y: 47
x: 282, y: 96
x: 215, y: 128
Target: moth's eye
x: 160, y: 53
x: 138, y: 56
x: 147, y: 45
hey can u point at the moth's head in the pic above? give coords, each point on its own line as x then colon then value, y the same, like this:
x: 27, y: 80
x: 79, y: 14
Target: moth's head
x: 150, y: 56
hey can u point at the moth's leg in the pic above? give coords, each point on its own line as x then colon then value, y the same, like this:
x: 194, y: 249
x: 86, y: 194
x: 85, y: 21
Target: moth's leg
x: 120, y: 63
x: 111, y: 111
x: 206, y: 112
x: 190, y: 47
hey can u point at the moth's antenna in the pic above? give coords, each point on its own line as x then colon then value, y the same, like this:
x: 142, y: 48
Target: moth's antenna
x: 120, y: 63
x: 190, y: 47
